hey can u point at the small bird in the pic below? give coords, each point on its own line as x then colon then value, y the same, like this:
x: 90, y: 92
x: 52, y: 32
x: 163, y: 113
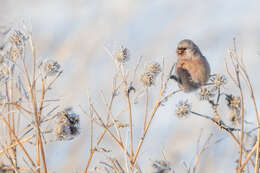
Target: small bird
x: 192, y: 68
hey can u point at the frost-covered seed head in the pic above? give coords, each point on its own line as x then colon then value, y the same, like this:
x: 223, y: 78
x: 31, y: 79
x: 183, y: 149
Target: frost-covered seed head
x: 147, y: 78
x: 153, y: 68
x: 205, y: 93
x: 122, y: 55
x: 233, y: 102
x: 18, y: 38
x: 183, y: 109
x: 218, y: 80
x: 67, y: 125
x: 50, y: 67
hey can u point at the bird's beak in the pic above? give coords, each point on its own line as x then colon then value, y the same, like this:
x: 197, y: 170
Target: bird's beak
x: 179, y: 51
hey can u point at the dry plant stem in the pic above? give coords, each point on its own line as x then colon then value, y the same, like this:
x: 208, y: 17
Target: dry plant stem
x: 237, y: 72
x: 257, y: 115
x: 227, y: 129
x: 157, y: 105
x: 39, y: 120
x: 15, y: 144
x: 238, y: 64
x: 18, y: 141
x: 242, y: 117
x: 130, y: 114
x: 38, y: 138
x: 20, y: 107
x: 199, y: 153
x: 10, y: 118
x: 249, y: 155
x: 120, y: 143
x: 91, y: 133
x: 123, y: 77
x: 13, y: 167
x: 32, y: 86
x: 42, y: 98
x: 93, y: 150
x: 146, y: 106
x: 256, y: 111
x: 13, y: 118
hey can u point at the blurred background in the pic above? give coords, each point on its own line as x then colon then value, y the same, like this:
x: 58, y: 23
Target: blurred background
x: 75, y: 33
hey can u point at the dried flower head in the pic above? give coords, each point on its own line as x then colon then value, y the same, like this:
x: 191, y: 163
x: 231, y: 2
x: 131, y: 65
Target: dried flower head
x: 50, y: 67
x: 18, y: 38
x: 122, y: 55
x: 233, y: 102
x: 205, y: 93
x: 153, y: 68
x: 147, y: 78
x: 218, y: 80
x: 67, y: 125
x: 161, y: 166
x: 183, y: 109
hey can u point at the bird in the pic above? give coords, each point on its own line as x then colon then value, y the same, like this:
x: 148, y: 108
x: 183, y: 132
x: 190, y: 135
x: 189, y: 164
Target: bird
x: 192, y: 68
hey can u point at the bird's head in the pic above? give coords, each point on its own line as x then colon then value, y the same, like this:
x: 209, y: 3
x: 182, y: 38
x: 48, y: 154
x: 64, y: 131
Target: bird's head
x: 187, y: 48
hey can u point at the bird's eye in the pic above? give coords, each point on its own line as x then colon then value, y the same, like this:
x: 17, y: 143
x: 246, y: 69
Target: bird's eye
x: 182, y: 48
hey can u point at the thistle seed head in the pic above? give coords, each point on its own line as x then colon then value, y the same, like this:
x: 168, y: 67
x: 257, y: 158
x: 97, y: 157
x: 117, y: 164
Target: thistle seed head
x: 218, y: 80
x: 122, y: 55
x: 147, y: 78
x: 183, y: 109
x: 205, y: 93
x: 67, y: 125
x: 18, y: 38
x: 154, y: 68
x: 233, y: 102
x: 50, y: 67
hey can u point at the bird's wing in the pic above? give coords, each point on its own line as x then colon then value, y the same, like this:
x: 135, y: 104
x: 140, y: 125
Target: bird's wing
x: 186, y: 80
x: 198, y: 69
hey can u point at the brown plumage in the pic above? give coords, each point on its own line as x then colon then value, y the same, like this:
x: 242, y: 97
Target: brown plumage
x: 192, y: 68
